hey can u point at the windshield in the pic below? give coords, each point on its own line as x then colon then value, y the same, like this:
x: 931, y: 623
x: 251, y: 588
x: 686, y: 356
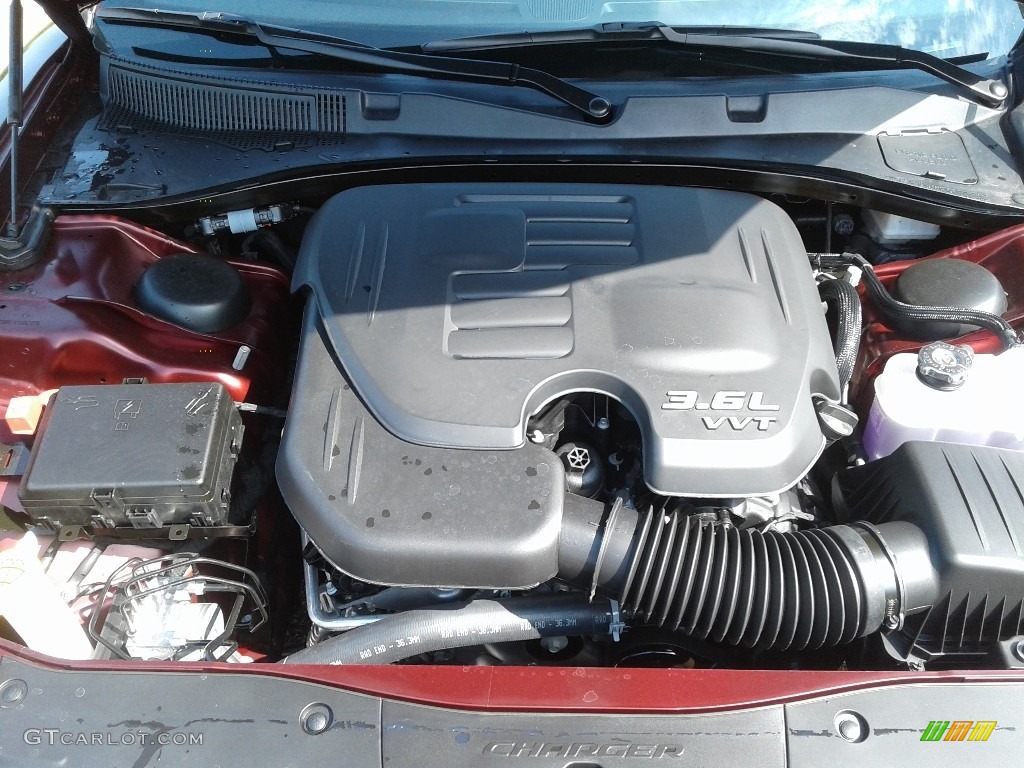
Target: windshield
x: 947, y: 28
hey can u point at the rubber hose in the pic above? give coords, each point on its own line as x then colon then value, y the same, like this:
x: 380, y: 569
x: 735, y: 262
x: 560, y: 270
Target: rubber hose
x: 272, y: 247
x: 805, y: 589
x: 846, y: 300
x: 459, y: 625
x: 768, y: 590
x: 895, y: 309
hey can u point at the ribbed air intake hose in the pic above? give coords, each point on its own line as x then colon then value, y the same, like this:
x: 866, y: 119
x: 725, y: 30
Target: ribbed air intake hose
x: 773, y: 590
x: 846, y: 301
x: 768, y: 590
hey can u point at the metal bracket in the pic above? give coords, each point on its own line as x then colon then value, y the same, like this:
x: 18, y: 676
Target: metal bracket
x: 74, y: 533
x: 24, y: 250
x: 175, y: 532
x: 13, y: 459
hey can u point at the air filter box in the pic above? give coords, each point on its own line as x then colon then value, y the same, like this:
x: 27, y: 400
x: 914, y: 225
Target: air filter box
x: 967, y: 501
x: 134, y: 455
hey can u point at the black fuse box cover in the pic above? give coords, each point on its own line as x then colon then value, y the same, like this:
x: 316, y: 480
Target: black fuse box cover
x: 138, y: 455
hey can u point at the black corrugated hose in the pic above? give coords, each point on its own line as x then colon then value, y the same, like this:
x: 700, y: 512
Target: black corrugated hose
x: 846, y: 300
x: 792, y: 590
x: 805, y: 589
x: 410, y: 633
x: 893, y: 308
x: 711, y: 580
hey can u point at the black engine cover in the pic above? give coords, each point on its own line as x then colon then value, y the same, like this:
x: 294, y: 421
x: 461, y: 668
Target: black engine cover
x: 459, y: 310
x: 444, y: 315
x: 390, y: 512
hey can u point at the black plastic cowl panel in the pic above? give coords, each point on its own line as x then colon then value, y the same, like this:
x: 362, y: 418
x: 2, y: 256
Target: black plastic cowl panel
x: 459, y: 310
x: 390, y: 512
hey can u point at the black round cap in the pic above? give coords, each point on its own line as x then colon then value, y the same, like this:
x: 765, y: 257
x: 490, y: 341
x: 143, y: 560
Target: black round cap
x: 194, y: 290
x: 948, y: 283
x: 944, y: 367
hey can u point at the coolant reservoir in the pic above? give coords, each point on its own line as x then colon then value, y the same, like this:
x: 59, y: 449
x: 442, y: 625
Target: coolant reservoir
x: 948, y: 394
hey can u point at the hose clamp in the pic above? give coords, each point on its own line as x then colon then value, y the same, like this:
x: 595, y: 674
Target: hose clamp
x: 895, y: 591
x: 616, y: 626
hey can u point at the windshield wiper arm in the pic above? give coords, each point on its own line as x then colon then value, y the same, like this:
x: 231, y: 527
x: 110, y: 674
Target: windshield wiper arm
x: 786, y: 43
x: 593, y: 107
x: 627, y: 31
x: 991, y: 93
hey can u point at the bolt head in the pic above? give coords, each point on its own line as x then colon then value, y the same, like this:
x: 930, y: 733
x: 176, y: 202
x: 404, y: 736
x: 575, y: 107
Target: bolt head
x: 599, y: 107
x: 851, y: 727
x: 12, y: 693
x: 1018, y: 650
x: 316, y: 718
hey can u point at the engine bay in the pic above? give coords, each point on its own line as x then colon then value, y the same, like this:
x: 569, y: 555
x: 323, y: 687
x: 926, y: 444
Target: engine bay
x: 517, y: 423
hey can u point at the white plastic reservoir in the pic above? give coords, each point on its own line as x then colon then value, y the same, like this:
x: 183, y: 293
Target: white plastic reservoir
x: 986, y: 409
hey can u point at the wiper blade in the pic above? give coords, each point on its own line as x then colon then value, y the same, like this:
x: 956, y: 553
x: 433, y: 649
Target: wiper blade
x: 602, y: 33
x: 782, y: 43
x: 593, y: 107
x: 991, y: 93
